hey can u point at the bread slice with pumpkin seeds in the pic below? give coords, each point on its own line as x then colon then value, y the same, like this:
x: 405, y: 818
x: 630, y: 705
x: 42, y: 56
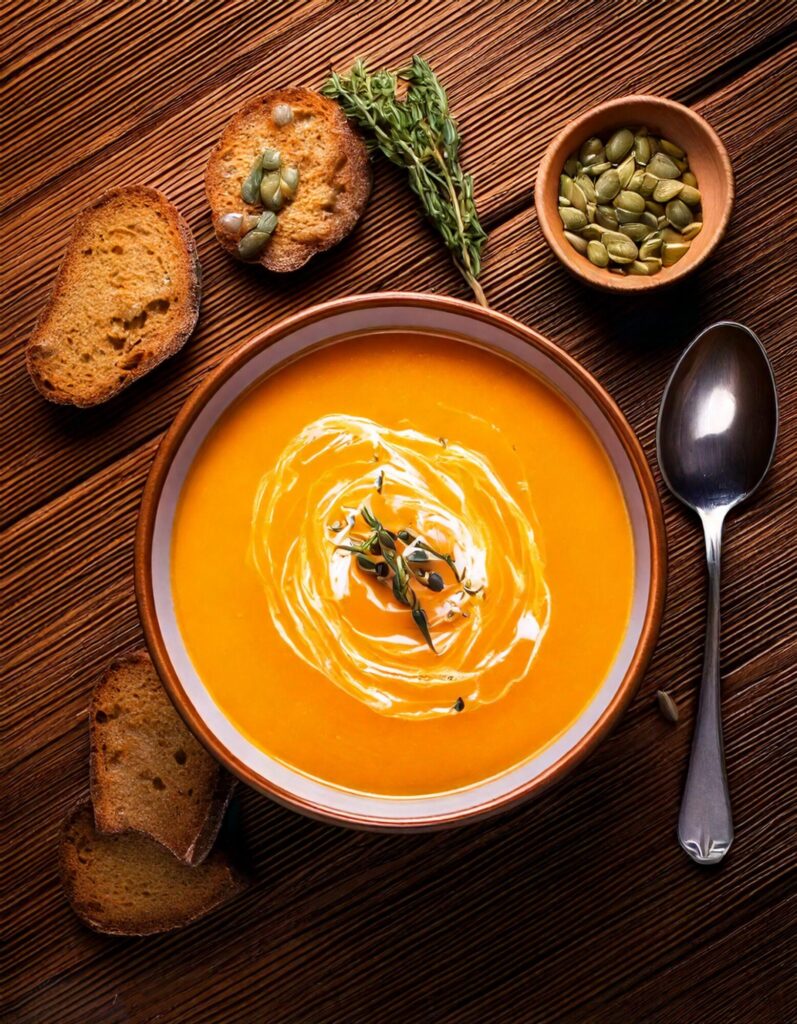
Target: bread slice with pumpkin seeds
x: 312, y: 140
x: 130, y: 885
x: 126, y: 297
x: 149, y: 774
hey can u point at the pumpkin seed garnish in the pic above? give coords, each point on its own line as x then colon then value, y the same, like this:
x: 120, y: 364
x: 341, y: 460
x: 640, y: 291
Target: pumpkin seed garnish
x: 631, y: 205
x: 459, y: 704
x: 268, y: 184
x: 667, y: 706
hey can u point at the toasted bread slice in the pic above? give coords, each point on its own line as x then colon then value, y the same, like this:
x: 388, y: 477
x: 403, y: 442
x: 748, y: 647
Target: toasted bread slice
x: 126, y: 297
x: 334, y: 174
x: 148, y: 772
x: 129, y: 885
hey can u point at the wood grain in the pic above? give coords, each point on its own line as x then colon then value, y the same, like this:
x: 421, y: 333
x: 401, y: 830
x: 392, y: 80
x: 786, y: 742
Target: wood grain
x: 578, y: 908
x: 171, y: 153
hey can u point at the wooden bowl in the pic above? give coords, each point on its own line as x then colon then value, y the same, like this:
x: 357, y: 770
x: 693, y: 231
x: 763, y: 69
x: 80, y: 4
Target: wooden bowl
x: 287, y: 341
x: 708, y: 160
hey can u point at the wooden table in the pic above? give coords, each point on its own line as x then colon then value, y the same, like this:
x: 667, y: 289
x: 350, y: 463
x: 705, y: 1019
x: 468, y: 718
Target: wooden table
x: 579, y: 907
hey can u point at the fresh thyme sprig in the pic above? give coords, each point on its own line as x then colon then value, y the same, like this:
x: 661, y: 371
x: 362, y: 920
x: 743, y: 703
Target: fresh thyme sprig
x: 405, y: 571
x: 418, y: 133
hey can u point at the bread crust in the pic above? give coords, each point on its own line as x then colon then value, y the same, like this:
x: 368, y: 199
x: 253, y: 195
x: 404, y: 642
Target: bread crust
x: 99, y: 917
x: 104, y: 391
x: 291, y: 254
x: 106, y: 818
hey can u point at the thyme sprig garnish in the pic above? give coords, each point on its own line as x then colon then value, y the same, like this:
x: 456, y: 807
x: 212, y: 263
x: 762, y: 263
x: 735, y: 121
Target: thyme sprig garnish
x: 416, y: 131
x: 401, y: 569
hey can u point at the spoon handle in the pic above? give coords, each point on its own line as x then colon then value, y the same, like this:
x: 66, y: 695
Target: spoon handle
x: 705, y: 827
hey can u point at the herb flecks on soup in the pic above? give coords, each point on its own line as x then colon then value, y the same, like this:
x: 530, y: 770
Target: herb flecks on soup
x: 401, y: 566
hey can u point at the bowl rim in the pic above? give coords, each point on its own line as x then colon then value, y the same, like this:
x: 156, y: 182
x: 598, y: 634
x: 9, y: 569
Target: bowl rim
x: 153, y: 488
x: 546, y: 171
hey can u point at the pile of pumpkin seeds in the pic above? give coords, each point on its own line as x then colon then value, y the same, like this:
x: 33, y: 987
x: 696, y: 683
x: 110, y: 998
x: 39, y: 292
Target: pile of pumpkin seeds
x: 269, y: 184
x: 631, y: 204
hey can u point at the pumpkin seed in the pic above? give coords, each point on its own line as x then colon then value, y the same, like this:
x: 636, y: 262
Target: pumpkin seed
x: 641, y: 149
x: 636, y: 231
x: 650, y: 247
x: 635, y: 182
x: 626, y: 171
x: 639, y: 268
x: 621, y: 251
x: 270, y: 191
x: 618, y: 145
x: 572, y: 166
x: 270, y: 160
x: 671, y: 149
x: 250, y: 190
x: 587, y: 186
x: 267, y: 222
x: 690, y: 195
x: 667, y: 707
x: 282, y: 114
x: 592, y: 232
x: 626, y: 216
x: 663, y: 167
x: 692, y: 230
x: 289, y: 181
x: 252, y: 244
x: 655, y: 208
x: 630, y: 202
x: 666, y: 189
x: 607, y: 186
x: 649, y: 182
x: 564, y: 201
x: 596, y: 170
x: 591, y: 212
x: 654, y: 262
x: 597, y: 254
x: 671, y: 252
x: 678, y: 214
x: 650, y: 219
x: 606, y: 216
x: 654, y: 146
x: 689, y: 179
x: 573, y: 220
x: 591, y: 152
x: 578, y: 243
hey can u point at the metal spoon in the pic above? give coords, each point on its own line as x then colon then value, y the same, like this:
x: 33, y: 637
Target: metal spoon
x: 716, y: 438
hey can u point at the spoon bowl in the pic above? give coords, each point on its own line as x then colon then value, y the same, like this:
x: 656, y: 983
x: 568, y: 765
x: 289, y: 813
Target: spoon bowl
x: 716, y: 436
x: 718, y: 419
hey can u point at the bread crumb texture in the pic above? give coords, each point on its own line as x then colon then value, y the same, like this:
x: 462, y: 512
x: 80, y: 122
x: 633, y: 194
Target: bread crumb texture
x: 129, y: 885
x: 126, y: 297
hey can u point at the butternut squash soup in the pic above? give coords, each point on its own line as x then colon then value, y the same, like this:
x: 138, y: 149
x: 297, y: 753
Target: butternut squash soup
x: 402, y: 564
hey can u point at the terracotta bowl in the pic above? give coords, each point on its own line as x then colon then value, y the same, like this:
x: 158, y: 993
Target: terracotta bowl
x: 708, y: 160
x: 286, y: 341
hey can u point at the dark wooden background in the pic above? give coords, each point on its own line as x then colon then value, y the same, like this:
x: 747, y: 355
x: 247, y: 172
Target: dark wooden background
x: 579, y: 907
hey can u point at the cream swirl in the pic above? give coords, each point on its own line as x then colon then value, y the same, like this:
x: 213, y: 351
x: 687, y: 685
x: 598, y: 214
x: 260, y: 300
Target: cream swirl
x: 349, y: 627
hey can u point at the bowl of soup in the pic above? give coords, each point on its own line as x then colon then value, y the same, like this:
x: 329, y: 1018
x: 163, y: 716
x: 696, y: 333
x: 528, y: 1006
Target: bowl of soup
x: 400, y: 562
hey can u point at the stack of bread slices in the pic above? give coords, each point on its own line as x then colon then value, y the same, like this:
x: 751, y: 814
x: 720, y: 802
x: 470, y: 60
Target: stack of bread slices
x: 138, y: 856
